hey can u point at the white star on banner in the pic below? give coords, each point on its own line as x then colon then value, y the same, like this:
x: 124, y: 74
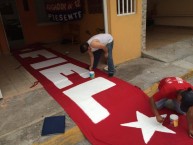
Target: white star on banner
x: 148, y: 126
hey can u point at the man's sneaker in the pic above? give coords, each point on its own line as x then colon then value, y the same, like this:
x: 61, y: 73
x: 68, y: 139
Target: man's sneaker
x: 111, y: 74
x: 105, y: 68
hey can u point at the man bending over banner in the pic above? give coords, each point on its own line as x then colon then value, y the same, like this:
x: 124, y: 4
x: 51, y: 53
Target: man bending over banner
x: 181, y: 94
x: 94, y: 46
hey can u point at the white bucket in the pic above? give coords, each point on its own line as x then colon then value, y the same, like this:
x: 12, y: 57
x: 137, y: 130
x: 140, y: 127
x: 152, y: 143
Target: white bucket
x: 92, y: 74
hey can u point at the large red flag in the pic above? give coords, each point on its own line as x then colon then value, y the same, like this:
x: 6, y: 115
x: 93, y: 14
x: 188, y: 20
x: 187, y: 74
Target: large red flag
x: 107, y: 110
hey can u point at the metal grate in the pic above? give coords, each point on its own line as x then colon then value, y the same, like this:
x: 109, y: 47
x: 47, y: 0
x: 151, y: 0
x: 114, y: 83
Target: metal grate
x: 126, y: 7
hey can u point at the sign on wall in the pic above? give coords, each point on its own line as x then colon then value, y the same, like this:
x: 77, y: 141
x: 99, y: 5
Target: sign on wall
x: 64, y: 10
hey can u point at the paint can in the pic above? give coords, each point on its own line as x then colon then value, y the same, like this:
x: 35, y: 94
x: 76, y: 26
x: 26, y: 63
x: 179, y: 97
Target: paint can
x: 92, y: 74
x: 174, y: 120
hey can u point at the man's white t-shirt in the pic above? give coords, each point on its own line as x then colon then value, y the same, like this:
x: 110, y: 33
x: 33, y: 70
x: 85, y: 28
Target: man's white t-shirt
x: 103, y: 38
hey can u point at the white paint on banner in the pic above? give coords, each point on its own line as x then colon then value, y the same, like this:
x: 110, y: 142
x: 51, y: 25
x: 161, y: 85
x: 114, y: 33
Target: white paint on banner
x: 35, y: 54
x: 82, y: 96
x: 48, y: 63
x: 148, y: 126
x: 56, y: 74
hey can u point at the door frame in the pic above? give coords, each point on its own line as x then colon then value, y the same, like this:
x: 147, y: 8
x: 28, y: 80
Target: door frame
x: 105, y: 16
x: 4, y: 44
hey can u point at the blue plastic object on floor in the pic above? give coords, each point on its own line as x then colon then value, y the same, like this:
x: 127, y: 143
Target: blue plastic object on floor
x: 53, y: 125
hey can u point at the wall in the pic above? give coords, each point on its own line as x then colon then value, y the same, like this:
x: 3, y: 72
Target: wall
x: 126, y: 31
x: 33, y: 32
x: 49, y: 32
x: 144, y: 19
x: 184, y: 21
x: 152, y: 7
x: 173, y: 12
x: 89, y: 23
x: 4, y: 48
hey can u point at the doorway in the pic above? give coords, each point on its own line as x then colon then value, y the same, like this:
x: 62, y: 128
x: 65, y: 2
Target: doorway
x: 11, y: 22
x: 168, y: 22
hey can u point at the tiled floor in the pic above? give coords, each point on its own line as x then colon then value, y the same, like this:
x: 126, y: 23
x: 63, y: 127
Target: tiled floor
x: 15, y: 80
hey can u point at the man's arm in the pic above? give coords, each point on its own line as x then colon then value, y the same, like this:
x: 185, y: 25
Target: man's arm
x: 155, y: 111
x: 91, y: 59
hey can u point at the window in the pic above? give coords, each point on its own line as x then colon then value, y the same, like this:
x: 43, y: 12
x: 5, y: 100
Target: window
x: 126, y: 7
x: 6, y: 8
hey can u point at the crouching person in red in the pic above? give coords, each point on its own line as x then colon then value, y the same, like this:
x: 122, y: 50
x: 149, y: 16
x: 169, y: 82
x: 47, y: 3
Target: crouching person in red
x: 180, y: 95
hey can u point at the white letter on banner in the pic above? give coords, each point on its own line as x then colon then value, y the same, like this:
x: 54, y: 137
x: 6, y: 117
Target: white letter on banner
x: 47, y: 63
x: 35, y: 54
x: 82, y: 96
x: 54, y: 74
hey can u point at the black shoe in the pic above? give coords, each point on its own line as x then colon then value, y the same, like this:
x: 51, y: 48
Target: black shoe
x: 111, y: 74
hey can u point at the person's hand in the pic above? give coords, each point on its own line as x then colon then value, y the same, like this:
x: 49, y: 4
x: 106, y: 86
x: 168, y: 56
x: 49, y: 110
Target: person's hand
x: 90, y: 68
x: 159, y: 119
x: 191, y: 133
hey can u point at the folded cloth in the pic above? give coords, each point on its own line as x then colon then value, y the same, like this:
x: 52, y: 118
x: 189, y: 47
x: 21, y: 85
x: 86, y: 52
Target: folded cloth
x: 53, y: 125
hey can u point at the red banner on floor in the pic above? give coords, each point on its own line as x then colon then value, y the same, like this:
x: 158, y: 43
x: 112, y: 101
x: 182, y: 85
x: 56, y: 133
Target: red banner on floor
x: 107, y: 110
